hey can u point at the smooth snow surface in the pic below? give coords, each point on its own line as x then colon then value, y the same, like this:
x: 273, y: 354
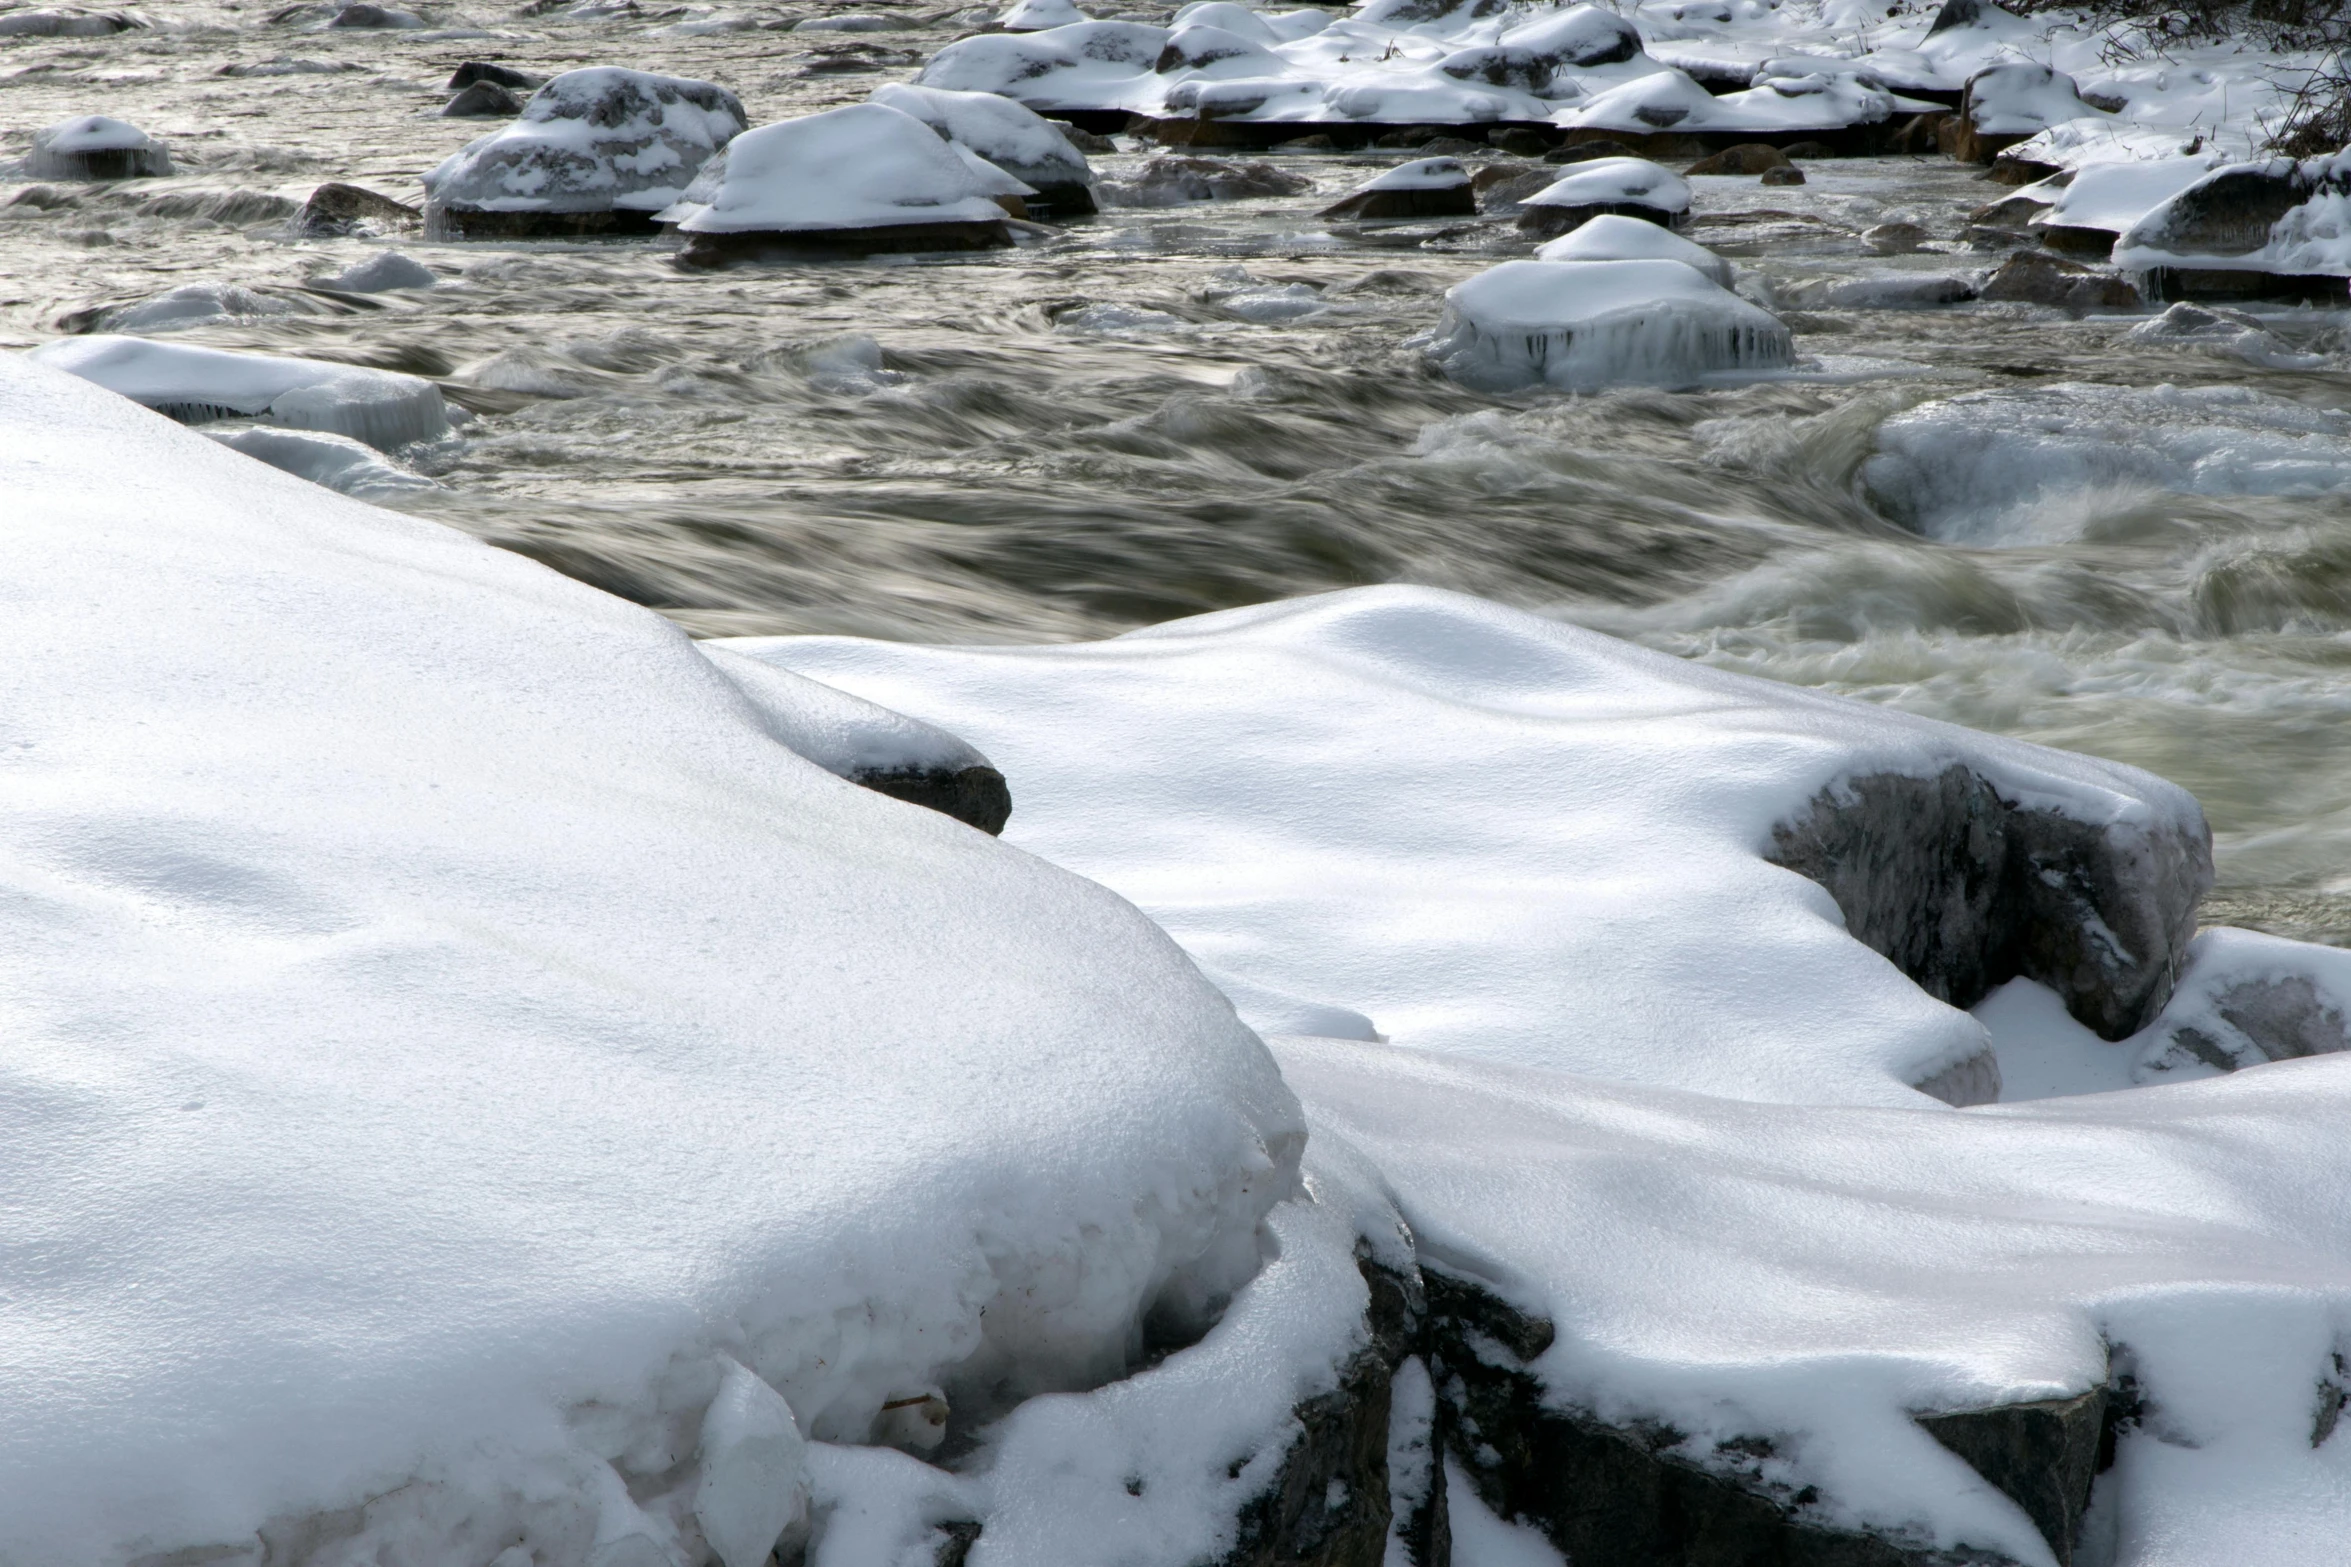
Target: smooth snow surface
x: 2048, y: 462
x: 593, y: 140
x: 1586, y: 324
x: 1614, y: 237
x: 1494, y: 835
x: 864, y: 166
x: 449, y: 1034
x: 2114, y: 196
x: 381, y: 407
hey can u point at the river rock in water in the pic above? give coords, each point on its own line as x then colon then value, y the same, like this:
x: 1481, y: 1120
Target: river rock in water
x: 95, y: 147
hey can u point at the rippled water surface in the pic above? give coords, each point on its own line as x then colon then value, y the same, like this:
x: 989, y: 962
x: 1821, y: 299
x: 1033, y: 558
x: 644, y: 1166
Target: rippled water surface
x: 1993, y: 514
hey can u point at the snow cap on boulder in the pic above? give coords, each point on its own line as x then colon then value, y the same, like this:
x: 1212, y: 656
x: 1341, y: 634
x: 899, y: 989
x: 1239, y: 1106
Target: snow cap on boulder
x: 1086, y: 65
x: 1585, y: 324
x: 2275, y: 215
x: 596, y: 140
x: 1633, y: 187
x: 863, y: 175
x: 1614, y: 237
x: 1010, y: 135
x: 95, y: 147
x: 1425, y: 188
x: 1035, y: 16
x: 195, y: 385
x: 1580, y: 38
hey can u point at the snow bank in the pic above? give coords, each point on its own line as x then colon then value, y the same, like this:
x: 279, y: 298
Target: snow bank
x: 861, y: 168
x: 1018, y: 140
x: 2021, y: 99
x: 475, y: 1091
x: 2033, y: 464
x: 94, y: 148
x: 594, y: 140
x: 191, y: 384
x: 1614, y: 237
x: 338, y: 462
x: 1586, y: 324
x: 1492, y: 835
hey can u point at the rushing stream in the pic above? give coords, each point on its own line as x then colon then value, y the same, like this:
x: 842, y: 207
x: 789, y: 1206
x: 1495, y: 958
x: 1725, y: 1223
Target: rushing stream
x: 1989, y: 513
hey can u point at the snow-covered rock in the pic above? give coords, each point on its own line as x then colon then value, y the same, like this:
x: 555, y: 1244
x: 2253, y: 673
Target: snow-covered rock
x: 65, y: 22
x: 1031, y: 16
x: 594, y: 151
x: 193, y: 385
x: 1580, y: 325
x: 2272, y: 226
x: 2006, y: 104
x: 1629, y: 187
x: 339, y: 211
x: 862, y: 178
x: 2218, y: 329
x: 455, y: 1044
x: 94, y: 147
x: 193, y: 303
x: 2106, y: 200
x: 1013, y: 137
x: 1811, y: 99
x: 381, y: 273
x: 1082, y: 65
x: 1425, y: 188
x: 1172, y: 179
x: 1613, y: 237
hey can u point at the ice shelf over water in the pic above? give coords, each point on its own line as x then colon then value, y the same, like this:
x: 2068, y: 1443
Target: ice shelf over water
x: 472, y: 1089
x: 191, y: 384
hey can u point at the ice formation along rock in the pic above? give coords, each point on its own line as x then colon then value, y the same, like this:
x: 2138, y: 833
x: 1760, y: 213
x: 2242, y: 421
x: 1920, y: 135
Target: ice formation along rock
x: 191, y: 384
x: 94, y: 148
x: 863, y: 178
x: 464, y: 1043
x: 594, y: 151
x: 1579, y: 325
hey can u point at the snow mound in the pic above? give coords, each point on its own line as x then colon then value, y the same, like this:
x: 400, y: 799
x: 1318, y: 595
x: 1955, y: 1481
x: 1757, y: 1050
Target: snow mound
x: 2031, y: 464
x: 866, y: 166
x: 1813, y: 97
x: 605, y: 1102
x: 338, y: 462
x: 1586, y: 324
x: 1496, y: 835
x: 1082, y: 65
x: 1018, y: 140
x: 2021, y: 99
x: 191, y: 384
x: 94, y: 147
x: 593, y: 140
x: 382, y: 273
x: 1615, y: 237
x: 1628, y: 187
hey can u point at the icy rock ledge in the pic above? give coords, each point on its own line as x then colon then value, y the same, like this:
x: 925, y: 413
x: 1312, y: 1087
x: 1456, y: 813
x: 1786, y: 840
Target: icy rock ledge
x: 94, y: 147
x: 1013, y: 137
x: 195, y: 385
x: 1580, y: 325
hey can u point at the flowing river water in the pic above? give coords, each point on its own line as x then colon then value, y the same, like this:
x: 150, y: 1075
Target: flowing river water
x: 1996, y: 514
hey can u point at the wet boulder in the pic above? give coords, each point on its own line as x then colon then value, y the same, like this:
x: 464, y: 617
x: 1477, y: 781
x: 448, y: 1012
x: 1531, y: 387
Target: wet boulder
x: 2267, y: 229
x: 95, y: 147
x: 1790, y: 175
x: 1746, y: 158
x: 1174, y: 179
x: 482, y: 101
x: 375, y: 16
x: 336, y: 210
x: 65, y: 22
x: 473, y: 71
x: 1009, y: 135
x: 850, y: 181
x: 1894, y: 239
x: 381, y: 273
x: 2032, y: 277
x: 1631, y: 187
x: 595, y: 151
x: 1428, y: 188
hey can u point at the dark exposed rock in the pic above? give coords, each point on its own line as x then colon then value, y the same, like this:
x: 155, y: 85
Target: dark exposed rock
x: 482, y: 101
x: 1410, y: 136
x: 460, y: 222
x: 1809, y: 149
x: 336, y: 209
x: 976, y: 796
x: 1450, y: 147
x: 1549, y: 222
x: 1920, y: 135
x: 1500, y: 187
x: 1585, y: 151
x: 2256, y: 1021
x: 2041, y: 1456
x: 2229, y: 213
x: 1518, y: 141
x: 372, y: 16
x: 1497, y: 65
x: 1172, y: 178
x: 1787, y: 176
x: 2034, y: 278
x: 1441, y: 201
x: 1082, y: 139
x: 1963, y: 890
x: 473, y: 71
x: 2009, y: 211
x: 1747, y: 158
x: 1895, y: 239
x: 1961, y: 13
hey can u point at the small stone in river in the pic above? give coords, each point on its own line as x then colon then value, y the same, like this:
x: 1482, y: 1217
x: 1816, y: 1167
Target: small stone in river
x: 483, y: 101
x: 1895, y: 239
x: 1787, y: 176
x: 1747, y: 158
x: 473, y: 71
x: 2034, y: 278
x: 1585, y: 151
x: 1518, y: 141
x: 1086, y: 141
x: 382, y: 273
x: 375, y: 16
x: 1809, y: 149
x: 336, y: 209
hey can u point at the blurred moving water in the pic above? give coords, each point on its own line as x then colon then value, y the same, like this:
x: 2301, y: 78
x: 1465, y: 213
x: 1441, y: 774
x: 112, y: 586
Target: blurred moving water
x: 1993, y: 514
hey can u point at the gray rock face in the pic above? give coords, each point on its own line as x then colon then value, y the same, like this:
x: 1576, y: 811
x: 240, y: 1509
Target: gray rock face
x: 482, y: 101
x: 1963, y: 890
x: 2257, y: 1021
x: 976, y: 796
x: 2032, y: 278
x: 473, y: 71
x: 2229, y: 213
x: 2041, y: 1456
x: 335, y: 210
